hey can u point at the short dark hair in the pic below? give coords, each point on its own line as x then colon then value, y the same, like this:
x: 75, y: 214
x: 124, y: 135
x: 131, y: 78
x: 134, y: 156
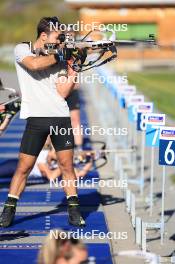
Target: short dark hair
x: 44, y: 25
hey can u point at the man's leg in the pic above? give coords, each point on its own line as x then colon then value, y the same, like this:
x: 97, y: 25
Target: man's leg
x: 33, y: 139
x: 18, y: 183
x: 63, y: 144
x: 76, y: 124
x: 25, y: 165
x: 74, y: 107
x: 65, y: 160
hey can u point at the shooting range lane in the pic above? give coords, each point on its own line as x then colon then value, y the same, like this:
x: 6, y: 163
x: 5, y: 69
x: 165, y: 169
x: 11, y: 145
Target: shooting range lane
x: 43, y: 222
x: 88, y: 197
x: 29, y: 252
x: 154, y: 227
x: 137, y: 170
x: 42, y: 208
x: 125, y: 209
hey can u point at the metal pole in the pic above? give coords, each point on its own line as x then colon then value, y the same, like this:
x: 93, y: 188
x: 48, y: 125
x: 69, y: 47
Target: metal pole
x: 135, y: 135
x: 142, y: 162
x: 152, y: 181
x: 135, y: 144
x: 119, y: 151
x: 163, y: 206
x: 138, y: 231
x: 128, y: 140
x: 143, y: 231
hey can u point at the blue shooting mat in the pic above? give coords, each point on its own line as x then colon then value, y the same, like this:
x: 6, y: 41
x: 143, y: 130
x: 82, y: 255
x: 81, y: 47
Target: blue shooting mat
x: 10, y: 140
x: 101, y: 252
x: 88, y: 197
x: 31, y: 180
x: 13, y: 131
x: 17, y: 121
x: 12, y: 135
x: 7, y: 167
x: 27, y: 253
x: 5, y: 183
x: 91, y: 176
x: 9, y: 149
x: 7, y: 172
x: 14, y: 127
x: 41, y: 223
x: 22, y: 254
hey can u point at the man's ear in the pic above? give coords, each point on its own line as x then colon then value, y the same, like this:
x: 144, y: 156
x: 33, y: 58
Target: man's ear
x: 43, y: 36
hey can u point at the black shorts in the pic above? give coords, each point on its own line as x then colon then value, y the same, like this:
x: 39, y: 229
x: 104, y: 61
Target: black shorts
x: 73, y: 100
x: 38, y: 128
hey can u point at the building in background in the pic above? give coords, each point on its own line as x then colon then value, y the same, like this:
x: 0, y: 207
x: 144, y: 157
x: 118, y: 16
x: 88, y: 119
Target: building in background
x: 143, y: 17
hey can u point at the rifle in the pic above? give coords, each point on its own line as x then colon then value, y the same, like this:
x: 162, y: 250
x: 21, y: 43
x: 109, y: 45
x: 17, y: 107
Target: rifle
x: 11, y: 108
x: 74, y: 52
x: 99, y: 154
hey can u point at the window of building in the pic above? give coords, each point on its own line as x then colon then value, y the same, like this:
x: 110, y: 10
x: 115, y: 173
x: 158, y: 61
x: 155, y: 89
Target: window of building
x: 134, y: 31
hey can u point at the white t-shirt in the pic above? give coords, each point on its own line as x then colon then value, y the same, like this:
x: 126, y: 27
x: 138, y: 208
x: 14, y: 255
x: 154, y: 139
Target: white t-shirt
x: 39, y: 95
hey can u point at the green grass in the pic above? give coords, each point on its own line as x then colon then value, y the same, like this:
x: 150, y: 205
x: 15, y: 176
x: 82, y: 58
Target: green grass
x: 6, y: 66
x: 158, y: 87
x: 18, y: 18
x: 172, y: 177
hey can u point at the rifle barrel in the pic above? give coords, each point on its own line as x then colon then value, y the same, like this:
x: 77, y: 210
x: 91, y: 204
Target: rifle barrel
x: 148, y: 41
x: 107, y: 151
x: 11, y: 101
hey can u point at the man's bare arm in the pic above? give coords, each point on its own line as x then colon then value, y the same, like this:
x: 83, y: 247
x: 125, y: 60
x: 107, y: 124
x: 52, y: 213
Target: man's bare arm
x: 38, y: 63
x: 4, y: 124
x: 65, y: 87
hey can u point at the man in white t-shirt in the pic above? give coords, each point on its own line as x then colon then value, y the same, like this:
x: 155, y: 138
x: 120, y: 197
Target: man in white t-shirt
x: 43, y: 105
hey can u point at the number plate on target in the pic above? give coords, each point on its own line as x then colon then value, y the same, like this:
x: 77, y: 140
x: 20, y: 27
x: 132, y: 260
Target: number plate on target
x: 132, y: 103
x: 142, y: 110
x: 167, y: 146
x: 153, y: 123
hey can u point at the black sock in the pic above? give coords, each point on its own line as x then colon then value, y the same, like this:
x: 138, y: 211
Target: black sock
x: 11, y: 201
x: 78, y: 147
x: 73, y: 200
